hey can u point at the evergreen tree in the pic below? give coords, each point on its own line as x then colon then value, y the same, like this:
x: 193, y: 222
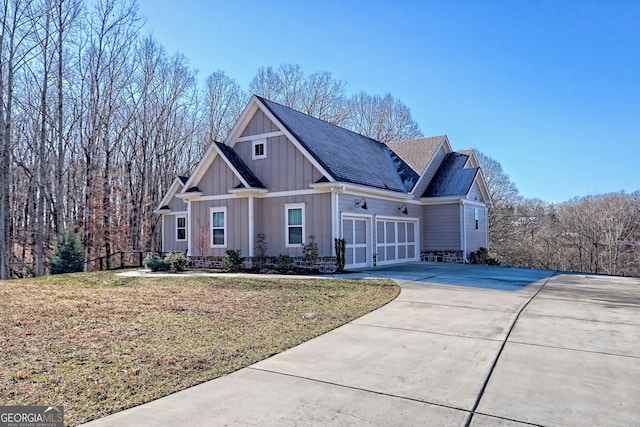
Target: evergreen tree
x: 68, y: 256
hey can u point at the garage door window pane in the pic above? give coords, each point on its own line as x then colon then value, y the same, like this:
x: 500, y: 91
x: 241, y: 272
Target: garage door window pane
x: 380, y: 253
x: 380, y: 232
x: 411, y: 234
x: 402, y: 232
x: 361, y: 255
x: 361, y: 231
x: 411, y: 251
x: 391, y: 253
x: 348, y: 257
x: 402, y: 252
x: 391, y: 232
x: 348, y: 230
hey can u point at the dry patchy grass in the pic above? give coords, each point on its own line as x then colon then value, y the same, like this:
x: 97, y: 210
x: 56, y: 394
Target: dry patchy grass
x: 98, y: 343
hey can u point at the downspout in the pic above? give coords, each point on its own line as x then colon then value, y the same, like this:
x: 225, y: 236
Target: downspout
x: 163, y: 219
x: 463, y: 226
x: 189, y: 236
x: 486, y: 226
x: 251, y: 226
x: 335, y: 216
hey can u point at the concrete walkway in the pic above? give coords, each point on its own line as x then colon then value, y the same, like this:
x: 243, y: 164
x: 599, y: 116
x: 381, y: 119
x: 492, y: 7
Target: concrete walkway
x: 461, y: 345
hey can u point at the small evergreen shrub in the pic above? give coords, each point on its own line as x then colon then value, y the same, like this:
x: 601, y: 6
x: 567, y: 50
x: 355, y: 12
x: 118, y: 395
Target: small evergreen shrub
x: 68, y: 255
x: 261, y: 250
x: 481, y: 255
x: 232, y: 261
x: 310, y: 252
x: 156, y: 263
x: 285, y: 262
x: 178, y: 261
x: 341, y: 247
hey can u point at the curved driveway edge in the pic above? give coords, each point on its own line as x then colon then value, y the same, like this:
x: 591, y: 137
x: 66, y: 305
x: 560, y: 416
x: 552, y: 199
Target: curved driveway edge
x: 423, y: 359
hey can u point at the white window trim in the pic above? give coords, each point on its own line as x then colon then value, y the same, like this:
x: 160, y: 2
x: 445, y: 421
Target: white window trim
x: 253, y: 149
x: 222, y: 209
x: 288, y: 206
x: 185, y: 228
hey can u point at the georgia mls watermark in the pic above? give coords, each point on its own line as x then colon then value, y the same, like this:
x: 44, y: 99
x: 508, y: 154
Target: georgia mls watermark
x: 31, y: 416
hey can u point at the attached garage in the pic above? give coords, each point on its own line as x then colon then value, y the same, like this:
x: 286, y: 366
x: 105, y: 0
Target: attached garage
x: 396, y: 240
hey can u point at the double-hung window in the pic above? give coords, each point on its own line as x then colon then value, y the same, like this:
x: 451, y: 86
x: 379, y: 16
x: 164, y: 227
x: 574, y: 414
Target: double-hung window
x: 219, y: 227
x: 294, y: 224
x: 181, y: 228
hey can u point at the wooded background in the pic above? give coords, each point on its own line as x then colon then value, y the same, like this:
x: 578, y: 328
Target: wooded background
x: 96, y: 120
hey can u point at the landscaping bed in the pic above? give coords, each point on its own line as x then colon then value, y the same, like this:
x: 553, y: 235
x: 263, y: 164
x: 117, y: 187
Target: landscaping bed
x: 98, y: 343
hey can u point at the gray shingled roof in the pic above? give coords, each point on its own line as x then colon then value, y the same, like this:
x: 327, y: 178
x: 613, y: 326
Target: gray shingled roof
x: 417, y: 153
x: 452, y: 178
x: 240, y: 166
x: 346, y: 155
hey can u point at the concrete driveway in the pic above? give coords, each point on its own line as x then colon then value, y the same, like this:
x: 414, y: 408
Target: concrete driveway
x: 461, y: 345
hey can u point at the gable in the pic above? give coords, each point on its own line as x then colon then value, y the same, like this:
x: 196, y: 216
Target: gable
x: 170, y: 201
x: 259, y: 124
x: 347, y: 156
x: 218, y: 179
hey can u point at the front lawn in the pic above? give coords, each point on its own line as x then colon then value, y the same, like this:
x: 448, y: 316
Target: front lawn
x: 98, y: 343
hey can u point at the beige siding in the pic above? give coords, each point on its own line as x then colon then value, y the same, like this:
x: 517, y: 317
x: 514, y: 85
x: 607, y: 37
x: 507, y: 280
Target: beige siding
x: 429, y: 173
x: 237, y: 236
x: 441, y: 227
x: 258, y: 124
x: 169, y: 235
x: 218, y: 179
x: 270, y: 220
x: 476, y: 238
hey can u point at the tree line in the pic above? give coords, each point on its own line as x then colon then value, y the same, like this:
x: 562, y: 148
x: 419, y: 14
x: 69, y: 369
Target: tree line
x: 594, y: 234
x: 96, y: 119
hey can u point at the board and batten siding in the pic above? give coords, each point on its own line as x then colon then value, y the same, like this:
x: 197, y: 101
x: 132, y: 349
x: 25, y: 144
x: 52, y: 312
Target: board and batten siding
x: 476, y: 238
x: 346, y: 205
x: 441, y: 227
x: 270, y: 216
x: 258, y: 124
x: 218, y: 179
x: 285, y: 168
x: 237, y: 232
x: 429, y: 173
x: 169, y: 243
x: 177, y: 205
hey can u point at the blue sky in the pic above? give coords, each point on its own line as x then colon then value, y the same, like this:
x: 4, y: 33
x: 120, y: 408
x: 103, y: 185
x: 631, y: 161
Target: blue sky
x: 550, y: 89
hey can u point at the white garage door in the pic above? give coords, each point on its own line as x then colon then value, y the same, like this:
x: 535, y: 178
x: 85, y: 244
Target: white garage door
x: 354, y: 231
x: 396, y: 241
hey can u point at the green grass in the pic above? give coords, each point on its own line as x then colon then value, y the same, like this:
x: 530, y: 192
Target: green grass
x: 98, y: 343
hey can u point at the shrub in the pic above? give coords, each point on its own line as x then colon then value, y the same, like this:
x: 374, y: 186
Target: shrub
x: 68, y: 255
x: 178, y: 261
x: 284, y: 262
x: 232, y: 261
x: 341, y: 245
x: 261, y: 250
x: 155, y: 263
x: 310, y: 252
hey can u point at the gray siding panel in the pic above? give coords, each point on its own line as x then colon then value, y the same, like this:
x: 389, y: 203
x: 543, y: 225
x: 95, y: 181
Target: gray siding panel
x: 430, y: 172
x: 270, y: 220
x: 285, y: 167
x: 169, y: 235
x: 177, y: 204
x: 476, y: 238
x: 441, y: 227
x: 218, y: 179
x: 258, y: 124
x: 237, y: 224
x: 474, y: 193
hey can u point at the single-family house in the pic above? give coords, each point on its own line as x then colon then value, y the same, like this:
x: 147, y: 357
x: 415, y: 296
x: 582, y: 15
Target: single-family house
x: 289, y: 176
